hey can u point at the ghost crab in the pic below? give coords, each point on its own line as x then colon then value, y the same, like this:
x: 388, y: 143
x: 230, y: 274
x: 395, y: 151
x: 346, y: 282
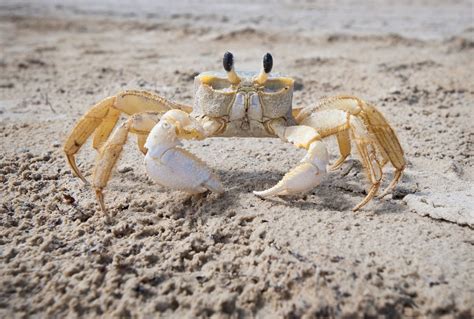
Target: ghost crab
x: 250, y: 105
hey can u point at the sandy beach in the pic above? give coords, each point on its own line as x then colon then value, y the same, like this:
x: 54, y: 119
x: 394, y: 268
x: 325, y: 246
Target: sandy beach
x: 169, y: 254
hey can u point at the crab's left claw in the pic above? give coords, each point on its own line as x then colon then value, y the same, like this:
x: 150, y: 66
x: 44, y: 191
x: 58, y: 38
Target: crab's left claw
x: 304, y: 177
x: 174, y: 167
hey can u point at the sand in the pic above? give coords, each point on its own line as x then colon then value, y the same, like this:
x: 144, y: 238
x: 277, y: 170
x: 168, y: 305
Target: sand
x: 169, y: 254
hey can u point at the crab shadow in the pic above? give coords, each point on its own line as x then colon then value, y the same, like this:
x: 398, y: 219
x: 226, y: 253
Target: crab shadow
x: 338, y: 192
x: 334, y: 193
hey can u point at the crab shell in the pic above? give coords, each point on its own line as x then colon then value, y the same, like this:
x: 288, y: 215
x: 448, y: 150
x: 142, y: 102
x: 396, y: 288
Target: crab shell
x: 245, y: 108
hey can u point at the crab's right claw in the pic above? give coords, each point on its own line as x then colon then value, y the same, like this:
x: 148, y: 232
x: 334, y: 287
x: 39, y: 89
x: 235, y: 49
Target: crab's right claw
x: 172, y: 166
x: 304, y: 177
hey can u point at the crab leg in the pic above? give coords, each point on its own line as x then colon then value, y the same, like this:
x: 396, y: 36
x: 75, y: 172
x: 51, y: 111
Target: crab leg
x: 103, y: 117
x: 83, y: 129
x: 371, y: 132
x: 312, y: 168
x: 140, y: 124
x: 366, y: 147
x: 172, y: 166
x: 344, y: 142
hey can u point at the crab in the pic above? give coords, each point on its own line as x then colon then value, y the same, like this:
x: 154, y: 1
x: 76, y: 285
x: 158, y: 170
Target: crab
x: 227, y: 104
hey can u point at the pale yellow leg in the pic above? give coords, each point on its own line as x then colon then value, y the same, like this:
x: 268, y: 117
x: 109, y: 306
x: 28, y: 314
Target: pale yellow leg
x: 83, y: 129
x: 327, y: 119
x: 349, y: 104
x: 132, y: 102
x: 105, y: 128
x: 367, y: 151
x: 140, y: 124
x: 103, y: 117
x: 141, y: 139
x: 373, y: 171
x: 396, y: 178
x: 385, y: 158
x: 344, y: 142
x: 388, y: 141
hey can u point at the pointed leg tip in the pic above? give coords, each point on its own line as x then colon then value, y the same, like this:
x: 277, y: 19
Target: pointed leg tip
x: 84, y: 180
x: 385, y: 193
x: 338, y: 163
x: 72, y: 163
x: 100, y: 199
x: 259, y: 194
x: 335, y: 166
x: 267, y: 193
x: 370, y: 195
x: 393, y: 184
x: 359, y: 206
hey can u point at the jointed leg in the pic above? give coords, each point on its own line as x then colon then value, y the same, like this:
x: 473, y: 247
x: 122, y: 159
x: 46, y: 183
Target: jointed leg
x: 83, y: 129
x: 387, y: 141
x: 309, y: 173
x: 105, y: 128
x: 141, y: 139
x: 366, y: 147
x: 344, y: 142
x: 326, y: 117
x: 103, y: 117
x: 140, y: 124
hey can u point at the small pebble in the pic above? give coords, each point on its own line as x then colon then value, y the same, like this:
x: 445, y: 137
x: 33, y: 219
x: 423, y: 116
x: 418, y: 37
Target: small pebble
x: 124, y: 169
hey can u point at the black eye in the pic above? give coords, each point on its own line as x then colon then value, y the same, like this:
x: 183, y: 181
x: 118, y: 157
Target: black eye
x: 228, y: 61
x: 267, y: 63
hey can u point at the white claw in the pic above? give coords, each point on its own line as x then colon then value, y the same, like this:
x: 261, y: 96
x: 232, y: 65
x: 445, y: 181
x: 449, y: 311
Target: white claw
x: 178, y: 169
x: 304, y: 177
x: 174, y: 167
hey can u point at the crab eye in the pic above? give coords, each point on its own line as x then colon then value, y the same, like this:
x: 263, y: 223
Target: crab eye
x: 228, y: 61
x: 267, y: 63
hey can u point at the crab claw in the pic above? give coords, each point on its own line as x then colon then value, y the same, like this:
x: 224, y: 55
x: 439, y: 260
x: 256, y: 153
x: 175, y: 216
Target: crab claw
x: 174, y: 167
x: 304, y: 177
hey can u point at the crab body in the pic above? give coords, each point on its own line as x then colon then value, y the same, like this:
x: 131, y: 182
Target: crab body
x: 232, y: 105
x: 245, y: 109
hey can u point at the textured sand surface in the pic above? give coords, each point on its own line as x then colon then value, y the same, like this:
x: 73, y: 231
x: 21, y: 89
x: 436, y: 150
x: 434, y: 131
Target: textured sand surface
x: 234, y: 255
